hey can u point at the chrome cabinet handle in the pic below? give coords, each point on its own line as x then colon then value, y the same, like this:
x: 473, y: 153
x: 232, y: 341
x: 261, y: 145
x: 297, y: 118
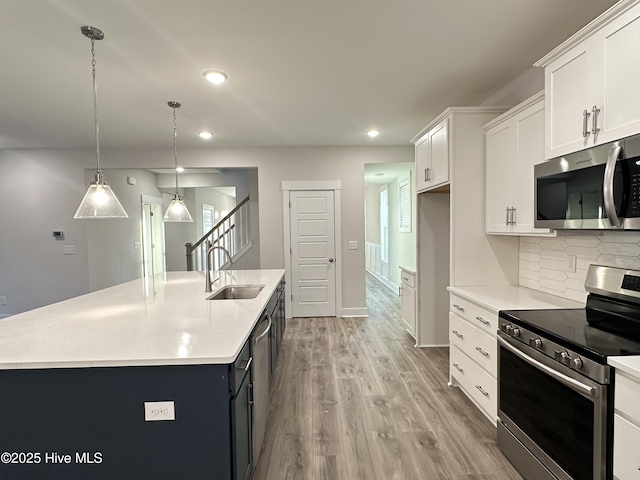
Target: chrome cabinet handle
x: 263, y: 334
x: 483, y: 320
x: 247, y: 365
x: 427, y: 174
x: 585, y: 120
x: 482, y: 351
x: 513, y: 215
x: 458, y: 368
x: 594, y: 124
x: 609, y: 172
x: 456, y: 333
x: 507, y: 218
x: 455, y: 305
x: 486, y: 394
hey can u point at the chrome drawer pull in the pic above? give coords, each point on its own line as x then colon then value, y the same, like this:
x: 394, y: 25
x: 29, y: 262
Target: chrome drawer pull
x: 594, y: 128
x: 455, y: 332
x: 458, y: 368
x: 486, y: 394
x: 585, y: 119
x: 482, y: 351
x: 455, y: 305
x: 483, y: 320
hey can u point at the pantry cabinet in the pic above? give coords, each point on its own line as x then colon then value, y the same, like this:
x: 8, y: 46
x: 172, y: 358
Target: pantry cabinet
x: 591, y: 96
x: 515, y: 143
x: 432, y: 157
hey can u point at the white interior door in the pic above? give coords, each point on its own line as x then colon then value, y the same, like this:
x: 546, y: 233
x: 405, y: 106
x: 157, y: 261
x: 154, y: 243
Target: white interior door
x: 313, y: 267
x: 152, y: 237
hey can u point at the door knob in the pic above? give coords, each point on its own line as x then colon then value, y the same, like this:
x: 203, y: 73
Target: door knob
x: 331, y: 260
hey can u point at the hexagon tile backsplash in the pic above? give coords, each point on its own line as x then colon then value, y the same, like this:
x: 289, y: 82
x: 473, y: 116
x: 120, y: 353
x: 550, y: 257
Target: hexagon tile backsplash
x: 558, y: 265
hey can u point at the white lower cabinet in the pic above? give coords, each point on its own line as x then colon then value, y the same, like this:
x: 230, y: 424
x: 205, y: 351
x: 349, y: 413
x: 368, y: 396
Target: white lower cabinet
x: 626, y: 428
x: 408, y: 300
x: 473, y: 354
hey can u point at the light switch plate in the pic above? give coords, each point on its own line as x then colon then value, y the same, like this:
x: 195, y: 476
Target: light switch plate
x: 158, y: 411
x: 353, y: 245
x: 69, y: 249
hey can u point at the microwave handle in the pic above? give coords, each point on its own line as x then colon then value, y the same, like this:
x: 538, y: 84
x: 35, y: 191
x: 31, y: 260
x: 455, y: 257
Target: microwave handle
x: 609, y: 171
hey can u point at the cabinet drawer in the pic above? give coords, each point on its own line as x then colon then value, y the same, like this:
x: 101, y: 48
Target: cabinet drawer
x: 626, y: 396
x: 475, y: 315
x: 626, y: 438
x: 408, y: 279
x: 477, y: 344
x: 477, y: 383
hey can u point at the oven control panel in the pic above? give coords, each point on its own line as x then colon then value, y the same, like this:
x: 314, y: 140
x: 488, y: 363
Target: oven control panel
x: 528, y: 340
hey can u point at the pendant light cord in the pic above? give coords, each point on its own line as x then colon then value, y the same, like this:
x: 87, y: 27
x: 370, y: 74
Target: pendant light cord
x: 95, y: 103
x: 175, y: 145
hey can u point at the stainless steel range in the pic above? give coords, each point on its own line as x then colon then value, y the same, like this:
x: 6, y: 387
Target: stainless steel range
x: 555, y: 389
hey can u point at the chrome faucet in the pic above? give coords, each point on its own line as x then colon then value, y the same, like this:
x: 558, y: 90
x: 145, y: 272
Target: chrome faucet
x: 208, y: 285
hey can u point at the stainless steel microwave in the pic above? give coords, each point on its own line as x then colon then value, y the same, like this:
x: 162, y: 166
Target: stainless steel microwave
x: 595, y: 189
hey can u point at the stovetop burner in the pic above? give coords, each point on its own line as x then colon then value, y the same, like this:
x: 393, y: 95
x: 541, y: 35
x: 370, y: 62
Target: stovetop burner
x: 609, y: 325
x: 587, y: 332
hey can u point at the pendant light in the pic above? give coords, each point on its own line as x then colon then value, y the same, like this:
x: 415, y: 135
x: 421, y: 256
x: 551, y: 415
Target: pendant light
x: 99, y: 201
x: 176, y: 211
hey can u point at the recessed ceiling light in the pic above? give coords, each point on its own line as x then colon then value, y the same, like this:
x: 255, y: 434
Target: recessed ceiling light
x: 179, y: 169
x: 205, y: 135
x: 373, y: 133
x: 215, y: 76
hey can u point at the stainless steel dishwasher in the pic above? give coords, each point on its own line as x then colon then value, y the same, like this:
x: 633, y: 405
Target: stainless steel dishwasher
x: 260, y: 382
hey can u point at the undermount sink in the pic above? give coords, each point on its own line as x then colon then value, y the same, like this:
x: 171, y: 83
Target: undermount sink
x: 237, y: 292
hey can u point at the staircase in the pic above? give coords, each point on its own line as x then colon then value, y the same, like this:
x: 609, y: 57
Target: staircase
x: 233, y: 233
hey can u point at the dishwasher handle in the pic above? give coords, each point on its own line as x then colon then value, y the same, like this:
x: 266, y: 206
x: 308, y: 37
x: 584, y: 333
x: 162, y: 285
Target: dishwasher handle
x: 265, y: 333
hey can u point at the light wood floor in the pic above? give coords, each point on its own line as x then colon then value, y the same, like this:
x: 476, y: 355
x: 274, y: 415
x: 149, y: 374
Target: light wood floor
x: 353, y: 399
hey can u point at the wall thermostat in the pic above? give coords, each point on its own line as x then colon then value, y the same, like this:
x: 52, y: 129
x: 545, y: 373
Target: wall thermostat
x: 58, y: 235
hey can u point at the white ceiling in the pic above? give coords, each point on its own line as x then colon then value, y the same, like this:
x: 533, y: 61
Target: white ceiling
x: 300, y: 72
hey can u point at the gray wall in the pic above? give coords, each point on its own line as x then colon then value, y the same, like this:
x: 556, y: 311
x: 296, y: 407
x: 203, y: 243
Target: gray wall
x: 39, y: 193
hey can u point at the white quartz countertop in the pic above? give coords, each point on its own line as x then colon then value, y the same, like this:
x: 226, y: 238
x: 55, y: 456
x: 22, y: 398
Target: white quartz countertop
x: 163, y: 320
x: 507, y: 297
x: 629, y: 365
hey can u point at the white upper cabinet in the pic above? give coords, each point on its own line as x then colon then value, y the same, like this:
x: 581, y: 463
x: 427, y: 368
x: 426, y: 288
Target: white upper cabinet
x: 591, y: 94
x: 515, y: 143
x: 432, y: 158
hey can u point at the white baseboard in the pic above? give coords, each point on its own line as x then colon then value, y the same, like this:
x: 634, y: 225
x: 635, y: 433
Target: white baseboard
x: 355, y: 312
x: 390, y: 285
x: 433, y: 346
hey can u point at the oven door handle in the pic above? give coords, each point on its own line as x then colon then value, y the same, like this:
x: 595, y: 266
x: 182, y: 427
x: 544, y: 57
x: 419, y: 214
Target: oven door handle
x: 568, y: 381
x: 609, y: 201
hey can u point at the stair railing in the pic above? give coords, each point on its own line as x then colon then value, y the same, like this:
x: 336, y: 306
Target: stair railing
x: 233, y: 232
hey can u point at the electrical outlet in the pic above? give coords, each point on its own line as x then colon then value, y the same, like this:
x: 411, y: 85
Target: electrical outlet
x: 570, y: 264
x: 158, y: 411
x: 3, y: 300
x: 69, y: 250
x: 136, y: 244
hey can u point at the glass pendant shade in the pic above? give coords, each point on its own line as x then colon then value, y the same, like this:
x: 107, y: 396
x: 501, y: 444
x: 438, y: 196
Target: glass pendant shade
x: 177, y: 211
x: 100, y: 202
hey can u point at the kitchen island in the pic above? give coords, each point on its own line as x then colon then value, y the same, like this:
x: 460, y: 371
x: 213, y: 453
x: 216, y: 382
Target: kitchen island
x: 80, y: 378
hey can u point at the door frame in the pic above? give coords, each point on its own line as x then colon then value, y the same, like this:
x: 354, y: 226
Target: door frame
x: 310, y: 185
x: 144, y: 199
